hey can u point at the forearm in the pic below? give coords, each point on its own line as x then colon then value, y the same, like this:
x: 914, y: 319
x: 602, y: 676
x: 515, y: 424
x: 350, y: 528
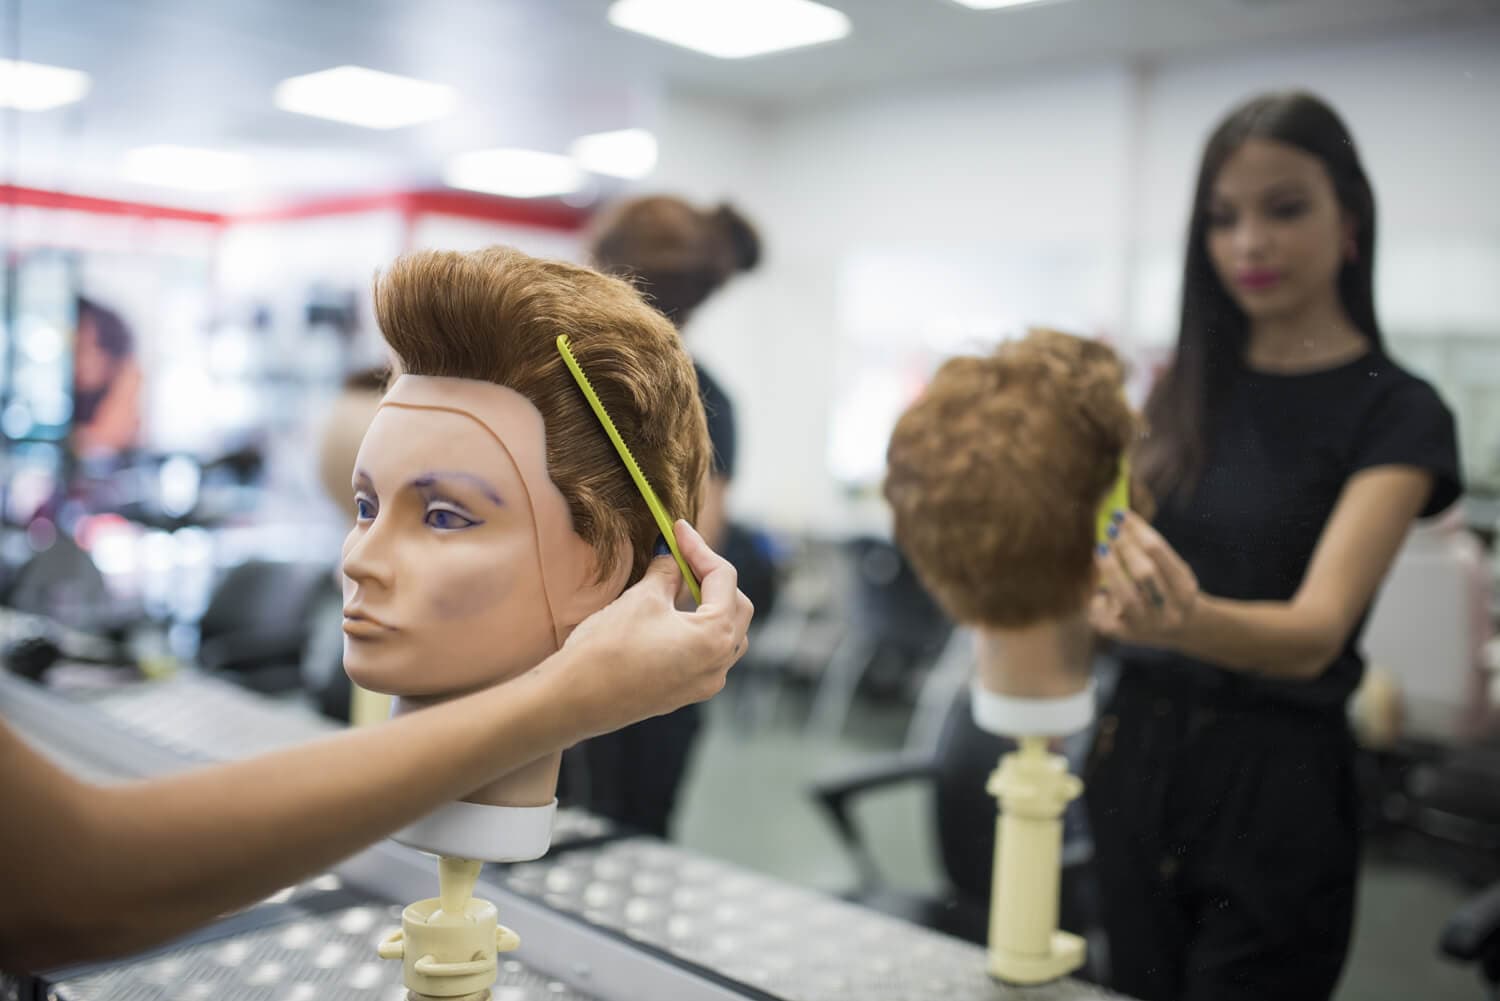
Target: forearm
x: 1278, y: 639
x: 151, y: 860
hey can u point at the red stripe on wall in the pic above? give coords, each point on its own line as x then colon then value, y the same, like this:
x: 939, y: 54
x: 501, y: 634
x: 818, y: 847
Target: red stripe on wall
x: 544, y: 214
x: 11, y: 194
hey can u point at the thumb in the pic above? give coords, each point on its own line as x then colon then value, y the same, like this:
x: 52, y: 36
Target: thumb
x: 661, y: 578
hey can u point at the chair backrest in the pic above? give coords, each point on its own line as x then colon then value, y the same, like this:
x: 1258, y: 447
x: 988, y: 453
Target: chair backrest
x: 260, y: 614
x: 965, y: 812
x: 1430, y: 622
x: 888, y: 601
x: 62, y: 583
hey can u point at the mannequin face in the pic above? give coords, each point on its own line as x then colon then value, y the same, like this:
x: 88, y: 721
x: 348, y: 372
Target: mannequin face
x: 462, y: 570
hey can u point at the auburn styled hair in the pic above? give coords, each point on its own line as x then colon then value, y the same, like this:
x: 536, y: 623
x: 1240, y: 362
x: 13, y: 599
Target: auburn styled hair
x: 997, y: 472
x: 676, y: 254
x: 495, y: 315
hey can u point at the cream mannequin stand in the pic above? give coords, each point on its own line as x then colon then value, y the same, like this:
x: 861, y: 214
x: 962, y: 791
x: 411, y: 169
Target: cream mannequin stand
x: 1033, y: 787
x: 449, y: 944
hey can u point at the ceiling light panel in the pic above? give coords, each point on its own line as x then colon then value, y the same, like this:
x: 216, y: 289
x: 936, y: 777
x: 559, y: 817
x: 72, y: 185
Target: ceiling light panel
x: 39, y: 87
x: 625, y: 153
x: 732, y: 29
x: 365, y: 97
x: 515, y: 173
x: 186, y: 168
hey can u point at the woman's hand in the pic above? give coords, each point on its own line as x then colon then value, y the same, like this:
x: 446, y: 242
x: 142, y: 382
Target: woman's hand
x: 1147, y: 593
x: 640, y: 656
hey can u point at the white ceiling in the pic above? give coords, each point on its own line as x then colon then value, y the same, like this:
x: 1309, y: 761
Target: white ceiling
x: 540, y: 72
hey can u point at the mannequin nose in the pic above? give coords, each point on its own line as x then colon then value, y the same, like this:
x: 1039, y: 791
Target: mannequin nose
x: 366, y: 556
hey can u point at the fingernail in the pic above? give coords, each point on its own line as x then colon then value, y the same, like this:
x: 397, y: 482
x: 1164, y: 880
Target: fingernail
x: 662, y: 549
x: 1113, y: 531
x: 1103, y: 549
x: 1118, y: 516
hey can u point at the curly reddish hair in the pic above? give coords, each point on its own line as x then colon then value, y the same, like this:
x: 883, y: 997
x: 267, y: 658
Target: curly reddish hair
x: 495, y: 315
x: 997, y: 472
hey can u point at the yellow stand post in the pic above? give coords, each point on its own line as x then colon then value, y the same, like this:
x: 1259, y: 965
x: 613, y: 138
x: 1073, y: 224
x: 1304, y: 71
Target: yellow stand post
x: 448, y: 944
x: 1033, y: 788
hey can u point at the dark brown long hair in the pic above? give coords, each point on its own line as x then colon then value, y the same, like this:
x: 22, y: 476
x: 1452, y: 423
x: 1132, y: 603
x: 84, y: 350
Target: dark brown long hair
x: 675, y: 253
x: 1211, y: 341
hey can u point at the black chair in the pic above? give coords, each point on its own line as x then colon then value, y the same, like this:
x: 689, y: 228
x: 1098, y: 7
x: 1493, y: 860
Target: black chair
x: 964, y: 825
x: 892, y: 623
x: 259, y: 621
x: 62, y: 583
x: 1451, y: 801
x: 1472, y: 935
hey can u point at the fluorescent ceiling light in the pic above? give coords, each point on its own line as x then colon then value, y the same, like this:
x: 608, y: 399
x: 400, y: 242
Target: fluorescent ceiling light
x: 732, y: 29
x: 515, y: 173
x: 36, y: 87
x: 627, y: 153
x: 186, y: 168
x: 996, y: 4
x: 365, y: 97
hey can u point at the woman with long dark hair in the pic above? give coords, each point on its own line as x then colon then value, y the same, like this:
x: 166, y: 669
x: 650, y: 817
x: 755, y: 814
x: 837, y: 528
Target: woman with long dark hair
x: 1289, y: 456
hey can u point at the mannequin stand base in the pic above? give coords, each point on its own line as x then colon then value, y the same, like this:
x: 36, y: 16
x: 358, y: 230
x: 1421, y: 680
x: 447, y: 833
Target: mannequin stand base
x: 483, y: 995
x: 1065, y: 956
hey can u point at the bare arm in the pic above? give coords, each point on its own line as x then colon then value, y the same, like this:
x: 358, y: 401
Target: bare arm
x: 1294, y: 639
x: 102, y: 871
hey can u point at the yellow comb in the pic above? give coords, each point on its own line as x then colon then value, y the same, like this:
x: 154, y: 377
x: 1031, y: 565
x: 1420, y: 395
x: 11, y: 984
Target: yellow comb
x: 663, y: 520
x: 1118, y: 499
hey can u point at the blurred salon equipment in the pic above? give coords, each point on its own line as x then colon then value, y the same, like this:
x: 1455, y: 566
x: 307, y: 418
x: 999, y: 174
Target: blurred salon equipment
x: 893, y: 632
x: 260, y: 622
x: 1431, y: 752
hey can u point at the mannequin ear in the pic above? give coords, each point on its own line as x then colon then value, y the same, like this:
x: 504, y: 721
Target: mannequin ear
x: 584, y: 592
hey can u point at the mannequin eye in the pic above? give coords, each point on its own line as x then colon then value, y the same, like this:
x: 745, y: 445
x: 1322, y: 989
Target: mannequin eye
x: 364, y: 508
x: 446, y: 520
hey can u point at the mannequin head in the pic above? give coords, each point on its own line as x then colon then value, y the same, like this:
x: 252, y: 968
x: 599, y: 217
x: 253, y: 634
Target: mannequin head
x: 493, y: 513
x: 996, y: 475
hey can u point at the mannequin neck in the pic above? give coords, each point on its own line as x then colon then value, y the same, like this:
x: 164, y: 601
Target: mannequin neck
x: 534, y: 784
x: 1046, y: 660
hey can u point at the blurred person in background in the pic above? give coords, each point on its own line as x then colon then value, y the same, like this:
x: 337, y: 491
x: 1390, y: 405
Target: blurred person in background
x: 678, y: 255
x: 106, y: 382
x: 1289, y: 456
x: 339, y: 438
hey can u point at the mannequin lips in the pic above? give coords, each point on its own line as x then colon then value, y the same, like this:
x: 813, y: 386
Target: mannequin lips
x: 359, y: 624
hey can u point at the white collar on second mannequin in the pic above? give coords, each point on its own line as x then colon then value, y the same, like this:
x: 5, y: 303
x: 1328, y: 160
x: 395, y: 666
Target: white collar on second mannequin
x: 1010, y: 716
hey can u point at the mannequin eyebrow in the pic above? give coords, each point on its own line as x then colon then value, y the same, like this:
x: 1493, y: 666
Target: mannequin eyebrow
x: 427, y: 480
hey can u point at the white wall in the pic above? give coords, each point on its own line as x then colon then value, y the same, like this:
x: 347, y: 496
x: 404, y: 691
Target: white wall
x: 431, y: 231
x: 1090, y: 168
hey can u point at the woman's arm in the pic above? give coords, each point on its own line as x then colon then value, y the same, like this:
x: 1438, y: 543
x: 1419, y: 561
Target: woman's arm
x: 1152, y: 597
x: 96, y: 871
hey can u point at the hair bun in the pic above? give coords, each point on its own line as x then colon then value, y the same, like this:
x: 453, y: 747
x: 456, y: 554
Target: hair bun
x: 744, y: 241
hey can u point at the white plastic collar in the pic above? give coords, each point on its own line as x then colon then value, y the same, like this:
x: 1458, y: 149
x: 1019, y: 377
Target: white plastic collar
x: 1009, y: 716
x: 483, y: 833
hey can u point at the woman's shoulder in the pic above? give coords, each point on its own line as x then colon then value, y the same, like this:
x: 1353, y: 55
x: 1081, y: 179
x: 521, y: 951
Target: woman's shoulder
x: 1394, y: 386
